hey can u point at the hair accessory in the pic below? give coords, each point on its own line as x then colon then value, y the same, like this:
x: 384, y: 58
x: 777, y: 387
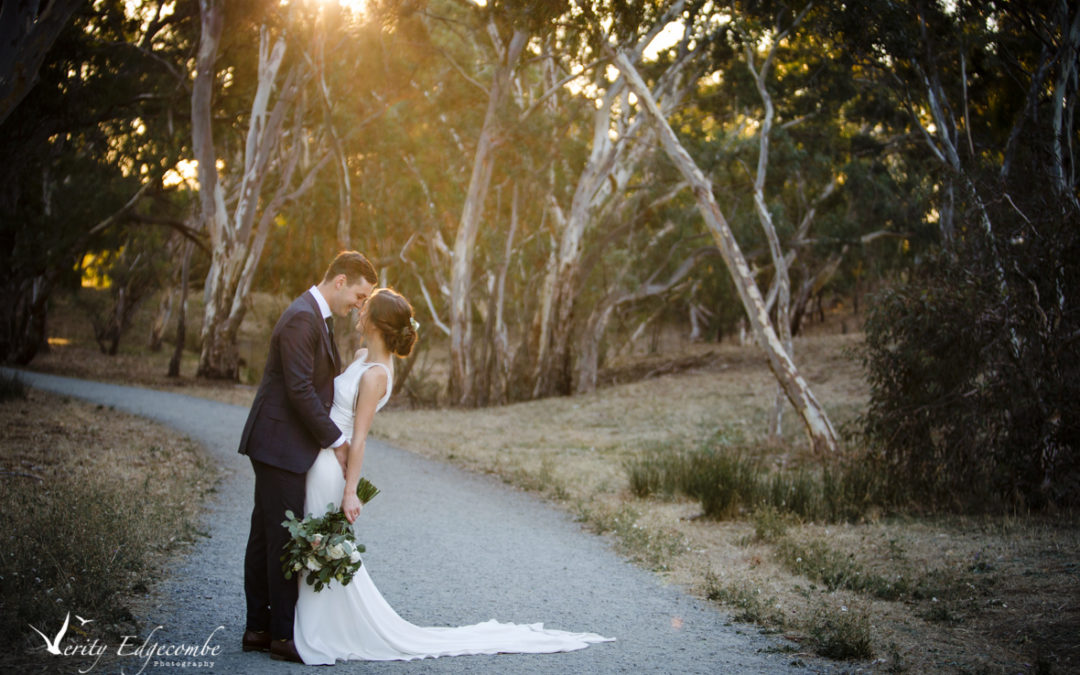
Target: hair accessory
x: 415, y: 324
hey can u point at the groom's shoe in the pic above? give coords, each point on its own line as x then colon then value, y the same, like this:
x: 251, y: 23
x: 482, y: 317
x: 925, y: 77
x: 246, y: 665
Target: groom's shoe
x: 256, y: 640
x: 284, y: 650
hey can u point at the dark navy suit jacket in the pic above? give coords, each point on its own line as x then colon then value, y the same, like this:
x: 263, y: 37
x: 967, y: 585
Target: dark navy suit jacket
x: 289, y: 420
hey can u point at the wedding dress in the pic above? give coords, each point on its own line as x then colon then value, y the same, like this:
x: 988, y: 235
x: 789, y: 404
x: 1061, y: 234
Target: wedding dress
x: 354, y: 622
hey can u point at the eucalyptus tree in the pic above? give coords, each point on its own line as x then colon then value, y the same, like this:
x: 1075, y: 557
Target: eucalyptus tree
x: 278, y: 160
x: 816, y: 421
x: 83, y: 153
x: 616, y: 151
x: 972, y: 362
x: 805, y: 120
x: 509, y: 32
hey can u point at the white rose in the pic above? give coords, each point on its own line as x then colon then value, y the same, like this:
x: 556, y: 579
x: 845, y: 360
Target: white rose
x: 354, y: 556
x: 313, y: 565
x: 316, y: 540
x: 336, y: 552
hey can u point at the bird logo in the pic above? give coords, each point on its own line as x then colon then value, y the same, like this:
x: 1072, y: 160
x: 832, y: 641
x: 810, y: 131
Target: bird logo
x: 53, y: 646
x: 82, y: 621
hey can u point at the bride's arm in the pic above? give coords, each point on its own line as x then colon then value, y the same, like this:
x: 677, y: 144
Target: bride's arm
x: 372, y: 387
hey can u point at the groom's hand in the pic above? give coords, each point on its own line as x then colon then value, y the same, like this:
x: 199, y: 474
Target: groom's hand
x: 351, y: 506
x: 342, y: 454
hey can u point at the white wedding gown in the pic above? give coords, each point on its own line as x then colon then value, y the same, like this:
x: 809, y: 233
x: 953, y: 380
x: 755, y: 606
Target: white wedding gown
x: 354, y: 622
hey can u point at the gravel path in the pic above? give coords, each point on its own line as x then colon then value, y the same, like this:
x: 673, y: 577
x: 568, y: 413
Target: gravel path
x: 445, y: 547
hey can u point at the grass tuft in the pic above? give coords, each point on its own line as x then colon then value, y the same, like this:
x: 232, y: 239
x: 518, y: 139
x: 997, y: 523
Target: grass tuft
x: 841, y: 633
x: 728, y: 478
x: 650, y: 547
x: 747, y: 604
x: 770, y: 524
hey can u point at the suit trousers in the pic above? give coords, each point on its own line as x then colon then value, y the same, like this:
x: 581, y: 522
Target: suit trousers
x: 271, y: 598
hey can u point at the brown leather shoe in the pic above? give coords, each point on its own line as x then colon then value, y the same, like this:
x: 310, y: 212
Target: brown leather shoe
x: 256, y: 641
x: 284, y: 650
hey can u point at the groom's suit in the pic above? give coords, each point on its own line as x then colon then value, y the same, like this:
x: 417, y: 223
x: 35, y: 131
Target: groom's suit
x: 288, y: 424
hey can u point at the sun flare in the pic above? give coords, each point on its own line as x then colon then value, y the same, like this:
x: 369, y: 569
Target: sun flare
x: 357, y: 7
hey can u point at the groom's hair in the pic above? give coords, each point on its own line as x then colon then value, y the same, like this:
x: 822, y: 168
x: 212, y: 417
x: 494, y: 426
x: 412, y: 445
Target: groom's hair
x: 354, y: 266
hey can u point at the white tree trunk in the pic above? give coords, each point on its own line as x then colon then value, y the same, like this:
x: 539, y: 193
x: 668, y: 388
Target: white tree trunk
x: 818, y: 427
x: 461, y: 367
x: 782, y: 280
x: 781, y: 262
x: 237, y: 241
x: 611, y: 165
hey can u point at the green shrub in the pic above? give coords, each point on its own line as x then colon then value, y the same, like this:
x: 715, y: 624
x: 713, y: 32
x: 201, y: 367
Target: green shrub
x: 652, y: 474
x: 723, y: 481
x: 974, y: 365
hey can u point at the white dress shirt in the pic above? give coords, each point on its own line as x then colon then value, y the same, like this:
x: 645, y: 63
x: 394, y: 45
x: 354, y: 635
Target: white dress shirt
x: 324, y: 307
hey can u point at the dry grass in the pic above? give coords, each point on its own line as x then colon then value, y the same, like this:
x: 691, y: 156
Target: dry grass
x: 139, y: 369
x: 971, y: 594
x: 73, y: 352
x: 98, y: 501
x: 986, y: 594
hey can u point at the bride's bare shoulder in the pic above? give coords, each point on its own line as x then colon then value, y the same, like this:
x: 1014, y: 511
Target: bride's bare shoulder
x: 361, y: 354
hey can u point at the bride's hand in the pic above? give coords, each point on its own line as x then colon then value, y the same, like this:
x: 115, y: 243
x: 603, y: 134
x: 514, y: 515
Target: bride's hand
x: 341, y: 452
x: 351, y: 507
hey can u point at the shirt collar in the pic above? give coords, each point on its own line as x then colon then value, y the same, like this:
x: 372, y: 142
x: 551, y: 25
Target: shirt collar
x: 324, y: 306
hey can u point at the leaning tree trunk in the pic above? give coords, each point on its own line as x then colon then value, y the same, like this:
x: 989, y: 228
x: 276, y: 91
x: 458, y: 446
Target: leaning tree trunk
x: 819, y: 428
x: 237, y: 239
x: 461, y: 366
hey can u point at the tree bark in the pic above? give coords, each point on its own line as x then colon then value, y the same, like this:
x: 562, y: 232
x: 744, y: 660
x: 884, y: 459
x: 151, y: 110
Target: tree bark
x: 237, y: 240
x: 600, y: 186
x: 461, y: 366
x: 587, y: 365
x: 1065, y: 82
x: 817, y: 424
x: 181, y: 316
x: 502, y: 364
x: 782, y: 280
x: 607, y: 171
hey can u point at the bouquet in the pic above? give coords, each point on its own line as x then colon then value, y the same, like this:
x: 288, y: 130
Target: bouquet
x: 324, y: 548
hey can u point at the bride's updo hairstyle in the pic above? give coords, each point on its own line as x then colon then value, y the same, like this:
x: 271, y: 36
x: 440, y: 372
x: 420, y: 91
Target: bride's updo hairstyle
x: 393, y: 316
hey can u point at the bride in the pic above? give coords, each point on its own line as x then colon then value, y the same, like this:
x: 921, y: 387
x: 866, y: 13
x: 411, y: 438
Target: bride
x: 354, y: 621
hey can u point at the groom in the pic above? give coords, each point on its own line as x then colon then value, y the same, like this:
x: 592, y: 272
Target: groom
x: 288, y: 424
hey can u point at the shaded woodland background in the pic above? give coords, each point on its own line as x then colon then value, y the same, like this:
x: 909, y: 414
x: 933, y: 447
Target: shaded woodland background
x: 547, y: 181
